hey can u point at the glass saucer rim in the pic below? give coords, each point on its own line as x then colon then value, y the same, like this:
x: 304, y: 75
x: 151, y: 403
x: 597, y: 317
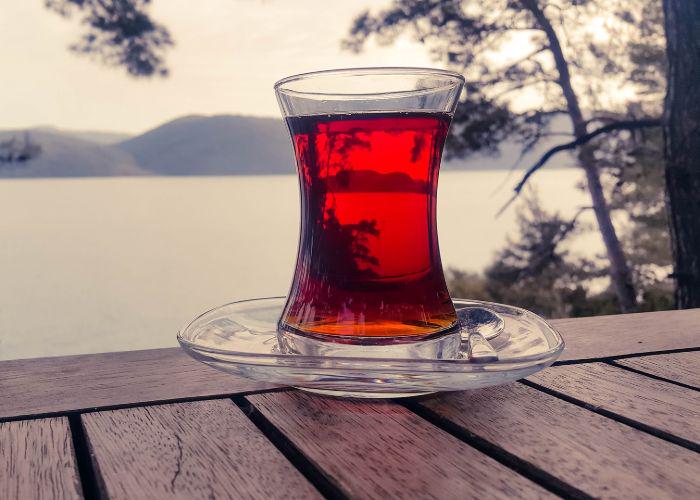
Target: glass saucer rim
x: 345, y: 362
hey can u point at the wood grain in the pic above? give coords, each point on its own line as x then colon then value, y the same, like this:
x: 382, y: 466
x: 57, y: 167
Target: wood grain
x: 382, y: 450
x: 37, y: 460
x: 46, y: 385
x: 204, y: 449
x: 622, y: 334
x: 683, y: 367
x: 668, y: 407
x: 595, y: 454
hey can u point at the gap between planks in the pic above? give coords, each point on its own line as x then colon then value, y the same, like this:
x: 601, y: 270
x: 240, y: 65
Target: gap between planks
x: 291, y: 452
x: 83, y: 459
x: 682, y: 368
x: 305, y: 464
x: 607, y: 359
x: 652, y: 375
x: 80, y: 411
x: 196, y: 449
x: 661, y: 434
x: 589, y: 451
x: 89, y: 478
x: 513, y: 462
x: 85, y: 411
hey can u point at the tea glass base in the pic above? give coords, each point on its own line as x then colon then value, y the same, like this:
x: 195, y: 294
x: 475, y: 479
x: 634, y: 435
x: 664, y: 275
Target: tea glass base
x: 440, y: 345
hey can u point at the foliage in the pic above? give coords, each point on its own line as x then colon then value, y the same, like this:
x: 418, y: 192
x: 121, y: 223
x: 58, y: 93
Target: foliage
x: 14, y: 150
x: 536, y: 270
x: 466, y: 36
x: 525, y: 61
x: 513, y: 89
x: 634, y: 165
x: 119, y: 33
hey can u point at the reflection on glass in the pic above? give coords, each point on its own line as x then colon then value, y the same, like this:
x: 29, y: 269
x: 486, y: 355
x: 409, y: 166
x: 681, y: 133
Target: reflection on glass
x: 368, y: 262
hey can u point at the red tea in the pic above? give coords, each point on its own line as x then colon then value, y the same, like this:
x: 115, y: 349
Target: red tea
x: 368, y: 262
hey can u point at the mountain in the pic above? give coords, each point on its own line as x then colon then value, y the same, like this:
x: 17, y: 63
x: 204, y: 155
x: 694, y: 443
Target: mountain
x: 205, y: 145
x: 214, y: 145
x: 98, y: 136
x: 230, y: 144
x: 62, y: 155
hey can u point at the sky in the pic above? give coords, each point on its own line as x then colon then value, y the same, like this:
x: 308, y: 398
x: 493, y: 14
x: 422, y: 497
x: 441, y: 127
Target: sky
x: 227, y: 56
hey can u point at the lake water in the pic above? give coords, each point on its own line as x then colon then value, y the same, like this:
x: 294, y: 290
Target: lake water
x: 94, y: 265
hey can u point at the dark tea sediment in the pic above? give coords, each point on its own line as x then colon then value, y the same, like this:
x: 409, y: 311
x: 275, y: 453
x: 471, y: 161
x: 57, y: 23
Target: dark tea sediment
x: 368, y: 262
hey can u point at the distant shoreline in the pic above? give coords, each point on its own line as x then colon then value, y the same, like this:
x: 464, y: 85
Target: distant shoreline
x: 246, y: 174
x: 230, y: 145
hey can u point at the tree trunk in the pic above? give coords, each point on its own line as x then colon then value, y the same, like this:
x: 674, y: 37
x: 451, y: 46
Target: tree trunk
x: 682, y: 145
x: 620, y: 274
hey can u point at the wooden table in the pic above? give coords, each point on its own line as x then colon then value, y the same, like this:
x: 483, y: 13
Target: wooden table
x: 619, y: 416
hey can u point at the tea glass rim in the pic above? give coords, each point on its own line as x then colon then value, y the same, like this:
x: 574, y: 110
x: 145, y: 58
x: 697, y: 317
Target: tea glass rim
x: 451, y: 80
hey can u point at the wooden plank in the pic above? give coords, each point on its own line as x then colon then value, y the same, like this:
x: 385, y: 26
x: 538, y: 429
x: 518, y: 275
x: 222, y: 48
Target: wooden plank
x: 670, y: 408
x: 204, y: 449
x: 46, y: 385
x: 382, y: 450
x: 623, y: 334
x: 37, y: 460
x: 683, y: 367
x: 595, y: 454
x: 49, y: 385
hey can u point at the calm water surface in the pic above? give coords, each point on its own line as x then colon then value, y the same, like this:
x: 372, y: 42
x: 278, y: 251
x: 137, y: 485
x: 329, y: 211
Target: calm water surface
x: 94, y: 265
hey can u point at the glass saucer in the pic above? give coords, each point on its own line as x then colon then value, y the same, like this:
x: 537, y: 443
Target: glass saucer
x: 241, y: 338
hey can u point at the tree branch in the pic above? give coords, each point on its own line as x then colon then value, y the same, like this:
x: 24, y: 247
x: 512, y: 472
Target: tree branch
x: 571, y: 224
x: 528, y: 146
x: 521, y: 85
x: 580, y: 141
x: 503, y: 70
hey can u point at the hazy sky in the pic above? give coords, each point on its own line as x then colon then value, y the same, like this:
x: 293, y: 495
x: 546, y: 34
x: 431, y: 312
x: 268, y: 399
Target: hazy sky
x: 227, y: 56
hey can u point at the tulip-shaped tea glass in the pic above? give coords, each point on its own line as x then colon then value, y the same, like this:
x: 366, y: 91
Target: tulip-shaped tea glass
x: 368, y: 279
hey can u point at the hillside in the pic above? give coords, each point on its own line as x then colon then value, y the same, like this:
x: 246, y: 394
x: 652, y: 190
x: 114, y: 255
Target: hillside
x: 204, y: 145
x: 216, y: 145
x: 65, y: 156
x: 97, y: 136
